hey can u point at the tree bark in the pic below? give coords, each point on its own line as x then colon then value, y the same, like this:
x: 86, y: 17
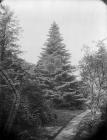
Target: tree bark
x: 15, y: 104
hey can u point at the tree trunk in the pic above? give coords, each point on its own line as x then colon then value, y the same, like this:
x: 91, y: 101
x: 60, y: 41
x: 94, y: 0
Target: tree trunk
x: 15, y: 104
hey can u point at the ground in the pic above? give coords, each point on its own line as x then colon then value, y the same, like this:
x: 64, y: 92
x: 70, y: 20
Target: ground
x: 63, y: 119
x: 70, y: 130
x: 64, y: 116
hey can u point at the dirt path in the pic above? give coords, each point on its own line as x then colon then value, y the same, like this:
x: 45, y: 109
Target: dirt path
x: 70, y: 129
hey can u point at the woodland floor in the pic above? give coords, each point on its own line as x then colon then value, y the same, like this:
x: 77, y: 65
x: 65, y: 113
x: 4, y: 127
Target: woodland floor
x: 64, y: 116
x: 66, y: 122
x: 71, y: 128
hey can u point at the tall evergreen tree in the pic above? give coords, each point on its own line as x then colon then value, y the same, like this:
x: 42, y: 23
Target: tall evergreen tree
x: 54, y: 70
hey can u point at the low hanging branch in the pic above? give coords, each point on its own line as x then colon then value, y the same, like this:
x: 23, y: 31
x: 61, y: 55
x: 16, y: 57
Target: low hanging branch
x: 16, y: 101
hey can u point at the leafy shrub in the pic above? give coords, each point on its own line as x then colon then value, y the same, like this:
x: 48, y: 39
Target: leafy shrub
x: 87, y: 127
x: 104, y: 111
x: 34, y: 110
x: 73, y: 101
x: 57, y: 102
x: 68, y: 101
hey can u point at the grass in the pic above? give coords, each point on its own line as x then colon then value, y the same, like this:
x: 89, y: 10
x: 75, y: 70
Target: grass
x: 64, y: 116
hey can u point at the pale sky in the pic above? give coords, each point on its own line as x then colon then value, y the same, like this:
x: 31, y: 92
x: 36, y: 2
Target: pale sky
x: 80, y: 22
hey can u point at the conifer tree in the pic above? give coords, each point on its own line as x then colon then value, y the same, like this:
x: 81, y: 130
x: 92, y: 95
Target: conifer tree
x: 54, y: 70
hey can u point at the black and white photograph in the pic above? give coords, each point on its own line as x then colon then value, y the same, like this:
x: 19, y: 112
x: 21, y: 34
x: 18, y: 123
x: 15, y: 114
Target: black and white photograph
x: 53, y: 69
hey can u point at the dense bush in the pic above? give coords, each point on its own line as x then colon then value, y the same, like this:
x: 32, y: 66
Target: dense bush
x: 73, y: 101
x: 95, y: 129
x: 57, y: 102
x: 89, y: 129
x: 68, y: 102
x: 34, y: 109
